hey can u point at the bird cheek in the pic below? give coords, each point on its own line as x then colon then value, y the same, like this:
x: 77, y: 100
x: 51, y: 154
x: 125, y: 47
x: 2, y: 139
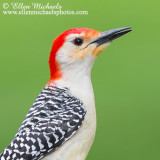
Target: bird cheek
x: 81, y: 54
x: 99, y: 49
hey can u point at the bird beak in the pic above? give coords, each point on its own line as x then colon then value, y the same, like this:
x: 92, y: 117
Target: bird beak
x: 108, y: 36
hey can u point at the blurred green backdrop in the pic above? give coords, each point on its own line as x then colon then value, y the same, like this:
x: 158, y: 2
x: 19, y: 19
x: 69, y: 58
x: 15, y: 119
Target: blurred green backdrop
x: 126, y: 76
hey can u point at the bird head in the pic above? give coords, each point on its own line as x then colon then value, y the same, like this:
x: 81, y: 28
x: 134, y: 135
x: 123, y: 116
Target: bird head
x: 74, y: 51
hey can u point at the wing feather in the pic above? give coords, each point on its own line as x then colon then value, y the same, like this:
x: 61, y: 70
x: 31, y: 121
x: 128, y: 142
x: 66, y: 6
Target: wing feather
x: 53, y: 118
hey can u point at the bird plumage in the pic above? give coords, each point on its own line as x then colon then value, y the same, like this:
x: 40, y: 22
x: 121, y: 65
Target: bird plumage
x: 61, y: 123
x: 53, y: 118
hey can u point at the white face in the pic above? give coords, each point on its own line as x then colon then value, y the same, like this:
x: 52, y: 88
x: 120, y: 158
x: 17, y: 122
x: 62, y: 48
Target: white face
x: 77, y: 48
x: 77, y: 55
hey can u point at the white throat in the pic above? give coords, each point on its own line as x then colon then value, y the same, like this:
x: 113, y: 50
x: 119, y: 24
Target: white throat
x: 77, y: 77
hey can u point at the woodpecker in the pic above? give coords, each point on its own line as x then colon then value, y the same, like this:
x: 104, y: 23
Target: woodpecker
x: 61, y: 123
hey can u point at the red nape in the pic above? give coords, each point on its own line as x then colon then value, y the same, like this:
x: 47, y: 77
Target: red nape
x: 55, y: 71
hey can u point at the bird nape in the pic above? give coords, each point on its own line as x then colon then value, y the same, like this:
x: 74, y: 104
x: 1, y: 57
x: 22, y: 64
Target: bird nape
x: 61, y: 123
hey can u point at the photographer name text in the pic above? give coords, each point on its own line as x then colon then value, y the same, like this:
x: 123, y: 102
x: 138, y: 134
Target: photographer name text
x: 35, y: 6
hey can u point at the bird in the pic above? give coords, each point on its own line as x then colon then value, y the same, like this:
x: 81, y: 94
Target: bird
x: 61, y: 124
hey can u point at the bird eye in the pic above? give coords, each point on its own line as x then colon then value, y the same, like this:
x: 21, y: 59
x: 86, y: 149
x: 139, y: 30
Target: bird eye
x: 78, y: 41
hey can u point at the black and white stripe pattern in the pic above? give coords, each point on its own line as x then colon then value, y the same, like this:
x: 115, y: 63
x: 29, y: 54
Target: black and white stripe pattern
x: 53, y: 118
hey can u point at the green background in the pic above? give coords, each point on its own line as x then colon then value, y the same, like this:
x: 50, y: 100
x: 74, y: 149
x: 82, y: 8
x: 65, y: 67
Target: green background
x: 126, y: 76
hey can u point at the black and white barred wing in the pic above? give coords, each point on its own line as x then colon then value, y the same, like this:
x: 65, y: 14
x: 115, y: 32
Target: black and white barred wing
x: 54, y: 117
